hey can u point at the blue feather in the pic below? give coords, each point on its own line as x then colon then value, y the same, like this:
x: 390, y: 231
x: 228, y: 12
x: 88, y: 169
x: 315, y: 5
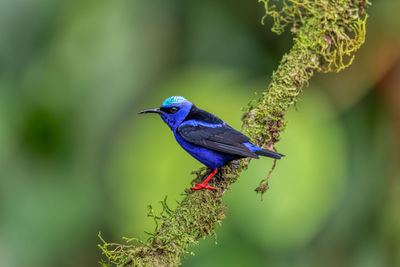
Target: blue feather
x: 205, y: 124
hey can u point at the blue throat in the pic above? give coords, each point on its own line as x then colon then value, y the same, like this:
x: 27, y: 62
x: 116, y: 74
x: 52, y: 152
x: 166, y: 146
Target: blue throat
x: 174, y: 120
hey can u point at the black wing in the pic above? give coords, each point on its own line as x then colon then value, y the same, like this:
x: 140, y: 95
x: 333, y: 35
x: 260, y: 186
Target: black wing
x: 220, y: 137
x: 202, y: 115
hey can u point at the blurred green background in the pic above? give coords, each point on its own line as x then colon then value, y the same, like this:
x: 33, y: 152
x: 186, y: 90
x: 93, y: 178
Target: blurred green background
x: 76, y: 159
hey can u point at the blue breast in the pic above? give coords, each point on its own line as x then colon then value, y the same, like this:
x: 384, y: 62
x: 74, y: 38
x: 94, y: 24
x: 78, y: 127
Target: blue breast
x: 212, y: 159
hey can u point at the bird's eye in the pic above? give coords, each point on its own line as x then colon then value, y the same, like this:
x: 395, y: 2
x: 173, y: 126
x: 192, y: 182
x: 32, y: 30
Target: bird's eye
x: 169, y: 110
x: 174, y: 109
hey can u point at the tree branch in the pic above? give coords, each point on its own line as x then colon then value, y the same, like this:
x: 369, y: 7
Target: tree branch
x: 326, y: 34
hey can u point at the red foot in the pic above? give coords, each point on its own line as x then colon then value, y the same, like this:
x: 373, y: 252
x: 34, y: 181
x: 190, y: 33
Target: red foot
x: 204, y: 184
x: 200, y: 186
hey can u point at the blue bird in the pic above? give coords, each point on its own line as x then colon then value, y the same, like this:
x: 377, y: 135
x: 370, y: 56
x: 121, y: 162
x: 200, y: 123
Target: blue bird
x: 206, y: 137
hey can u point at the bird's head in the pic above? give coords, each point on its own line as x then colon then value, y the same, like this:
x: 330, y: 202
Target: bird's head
x: 173, y: 110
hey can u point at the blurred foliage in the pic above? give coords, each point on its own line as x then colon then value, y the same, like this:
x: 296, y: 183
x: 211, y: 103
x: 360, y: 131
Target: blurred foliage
x: 75, y: 159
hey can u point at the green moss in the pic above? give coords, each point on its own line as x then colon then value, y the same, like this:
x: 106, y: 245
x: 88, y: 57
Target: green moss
x: 194, y: 218
x: 326, y: 34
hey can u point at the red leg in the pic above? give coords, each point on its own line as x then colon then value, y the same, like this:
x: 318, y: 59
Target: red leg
x: 204, y: 184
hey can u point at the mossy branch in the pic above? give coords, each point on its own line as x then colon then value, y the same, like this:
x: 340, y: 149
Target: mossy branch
x: 326, y: 34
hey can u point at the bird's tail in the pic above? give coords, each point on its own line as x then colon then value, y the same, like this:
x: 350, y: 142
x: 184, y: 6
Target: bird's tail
x: 269, y: 153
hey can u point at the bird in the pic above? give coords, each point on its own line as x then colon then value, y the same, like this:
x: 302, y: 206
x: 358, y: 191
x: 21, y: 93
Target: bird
x: 206, y: 137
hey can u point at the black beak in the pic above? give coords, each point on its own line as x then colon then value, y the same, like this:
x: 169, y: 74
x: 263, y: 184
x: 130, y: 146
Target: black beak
x: 153, y: 110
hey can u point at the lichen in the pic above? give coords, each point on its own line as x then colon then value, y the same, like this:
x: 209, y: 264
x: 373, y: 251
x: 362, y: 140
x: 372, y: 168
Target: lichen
x: 326, y: 35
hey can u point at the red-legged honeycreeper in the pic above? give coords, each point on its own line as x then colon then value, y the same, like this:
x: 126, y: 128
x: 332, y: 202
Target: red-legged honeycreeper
x: 206, y: 137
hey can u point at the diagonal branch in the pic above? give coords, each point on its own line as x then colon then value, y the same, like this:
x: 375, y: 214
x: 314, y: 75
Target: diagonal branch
x: 326, y: 33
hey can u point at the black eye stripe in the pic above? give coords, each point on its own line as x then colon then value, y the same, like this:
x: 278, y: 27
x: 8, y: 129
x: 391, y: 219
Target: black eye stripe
x: 169, y: 110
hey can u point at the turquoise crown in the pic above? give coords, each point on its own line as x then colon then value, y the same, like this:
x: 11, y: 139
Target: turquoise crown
x: 173, y: 100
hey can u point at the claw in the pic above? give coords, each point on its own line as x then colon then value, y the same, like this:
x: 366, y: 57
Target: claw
x: 204, y: 184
